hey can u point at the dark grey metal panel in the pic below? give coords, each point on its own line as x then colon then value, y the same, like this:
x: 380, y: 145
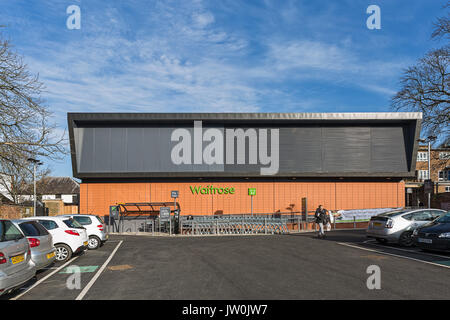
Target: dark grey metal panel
x: 388, y: 149
x: 102, y: 150
x: 301, y: 149
x: 310, y: 144
x: 346, y: 149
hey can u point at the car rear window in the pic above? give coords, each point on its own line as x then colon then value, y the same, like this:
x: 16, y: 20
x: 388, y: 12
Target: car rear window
x: 72, y: 223
x: 48, y: 224
x: 84, y: 221
x: 9, y: 232
x: 100, y: 219
x: 33, y: 229
x: 394, y: 213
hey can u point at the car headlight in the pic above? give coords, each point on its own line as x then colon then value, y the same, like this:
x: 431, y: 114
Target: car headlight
x: 415, y: 232
x: 444, y: 235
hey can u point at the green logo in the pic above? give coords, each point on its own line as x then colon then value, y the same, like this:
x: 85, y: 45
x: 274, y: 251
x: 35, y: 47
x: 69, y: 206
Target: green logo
x: 211, y: 190
x: 252, y: 191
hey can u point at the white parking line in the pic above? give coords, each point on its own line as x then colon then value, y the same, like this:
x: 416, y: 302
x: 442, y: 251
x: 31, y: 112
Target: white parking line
x: 44, y: 278
x: 394, y: 255
x: 89, y: 285
x: 406, y: 250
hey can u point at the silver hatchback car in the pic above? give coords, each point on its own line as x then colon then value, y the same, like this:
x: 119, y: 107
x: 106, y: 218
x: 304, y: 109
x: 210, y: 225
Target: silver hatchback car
x: 43, y: 253
x: 16, y: 266
x: 398, y: 226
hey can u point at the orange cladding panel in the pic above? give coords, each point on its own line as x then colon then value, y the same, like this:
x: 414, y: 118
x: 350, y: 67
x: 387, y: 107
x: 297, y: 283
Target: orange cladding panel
x: 271, y: 196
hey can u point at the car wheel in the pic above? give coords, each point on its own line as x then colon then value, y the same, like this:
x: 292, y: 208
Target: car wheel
x: 63, y: 252
x: 94, y: 243
x: 381, y: 240
x: 406, y: 239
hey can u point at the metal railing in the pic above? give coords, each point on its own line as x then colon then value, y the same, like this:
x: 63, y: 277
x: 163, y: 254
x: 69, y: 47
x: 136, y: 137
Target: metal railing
x: 232, y: 224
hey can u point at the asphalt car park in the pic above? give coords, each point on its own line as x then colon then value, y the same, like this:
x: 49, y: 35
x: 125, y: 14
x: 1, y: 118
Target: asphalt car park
x: 295, y: 266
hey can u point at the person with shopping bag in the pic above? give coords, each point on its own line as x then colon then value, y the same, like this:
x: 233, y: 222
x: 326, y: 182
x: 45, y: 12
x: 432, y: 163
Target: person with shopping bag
x: 322, y: 219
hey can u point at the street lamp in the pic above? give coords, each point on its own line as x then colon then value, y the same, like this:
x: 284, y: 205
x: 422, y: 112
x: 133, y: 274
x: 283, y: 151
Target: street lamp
x: 35, y: 163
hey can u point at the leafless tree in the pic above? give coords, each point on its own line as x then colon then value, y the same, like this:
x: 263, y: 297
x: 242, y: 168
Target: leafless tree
x: 16, y: 179
x: 442, y: 26
x: 25, y: 130
x: 425, y: 86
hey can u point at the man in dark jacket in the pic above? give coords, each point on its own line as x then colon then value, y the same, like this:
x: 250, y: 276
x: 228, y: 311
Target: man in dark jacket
x: 321, y: 219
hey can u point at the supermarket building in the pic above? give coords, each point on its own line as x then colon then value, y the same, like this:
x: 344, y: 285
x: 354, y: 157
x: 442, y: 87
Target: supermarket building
x: 341, y: 160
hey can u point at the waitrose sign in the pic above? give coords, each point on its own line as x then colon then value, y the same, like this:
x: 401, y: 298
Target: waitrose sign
x: 211, y: 190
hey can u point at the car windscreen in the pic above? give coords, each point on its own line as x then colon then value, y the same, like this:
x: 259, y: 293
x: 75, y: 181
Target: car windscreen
x: 444, y: 219
x: 32, y: 228
x: 9, y: 232
x: 73, y: 224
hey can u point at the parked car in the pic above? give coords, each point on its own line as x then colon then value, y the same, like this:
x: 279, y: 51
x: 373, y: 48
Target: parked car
x: 95, y: 228
x: 69, y: 237
x: 435, y: 235
x: 43, y: 253
x: 16, y: 266
x: 398, y: 226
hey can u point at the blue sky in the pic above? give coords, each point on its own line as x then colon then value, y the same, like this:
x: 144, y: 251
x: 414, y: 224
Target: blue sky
x: 217, y: 56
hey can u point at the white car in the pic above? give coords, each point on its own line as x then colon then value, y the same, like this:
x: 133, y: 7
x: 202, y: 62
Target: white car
x: 95, y: 228
x: 69, y: 236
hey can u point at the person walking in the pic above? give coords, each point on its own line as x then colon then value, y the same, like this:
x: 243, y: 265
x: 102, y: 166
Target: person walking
x: 321, y: 219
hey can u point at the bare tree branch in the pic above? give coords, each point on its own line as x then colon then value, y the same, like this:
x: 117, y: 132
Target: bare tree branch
x: 25, y: 130
x: 425, y: 88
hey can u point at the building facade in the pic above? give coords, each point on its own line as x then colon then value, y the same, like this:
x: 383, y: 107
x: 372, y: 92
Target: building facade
x: 340, y: 160
x: 440, y: 175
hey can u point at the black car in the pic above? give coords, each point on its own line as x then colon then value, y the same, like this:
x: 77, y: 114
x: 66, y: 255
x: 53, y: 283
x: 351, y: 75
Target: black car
x: 435, y: 235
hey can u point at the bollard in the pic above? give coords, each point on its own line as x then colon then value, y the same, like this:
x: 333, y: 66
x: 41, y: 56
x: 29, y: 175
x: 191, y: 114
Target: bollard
x: 298, y: 224
x: 265, y: 225
x: 354, y: 222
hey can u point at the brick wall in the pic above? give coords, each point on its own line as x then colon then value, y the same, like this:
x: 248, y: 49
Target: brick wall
x: 11, y: 212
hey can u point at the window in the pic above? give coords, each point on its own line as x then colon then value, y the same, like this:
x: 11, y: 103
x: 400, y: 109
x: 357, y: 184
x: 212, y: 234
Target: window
x: 422, y: 216
x: 436, y: 213
x: 84, y: 221
x: 447, y: 188
x: 9, y: 232
x: 422, y: 156
x: 48, y: 224
x: 444, y: 155
x: 422, y: 174
x: 444, y: 175
x: 72, y: 223
x: 33, y: 229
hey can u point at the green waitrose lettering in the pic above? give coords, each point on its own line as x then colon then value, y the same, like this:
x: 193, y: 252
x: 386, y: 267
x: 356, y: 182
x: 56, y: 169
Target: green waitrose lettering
x: 211, y: 190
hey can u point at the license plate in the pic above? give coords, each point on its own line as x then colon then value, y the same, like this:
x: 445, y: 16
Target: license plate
x: 50, y: 255
x: 377, y: 224
x: 425, y: 240
x: 17, y: 259
x: 85, y: 243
